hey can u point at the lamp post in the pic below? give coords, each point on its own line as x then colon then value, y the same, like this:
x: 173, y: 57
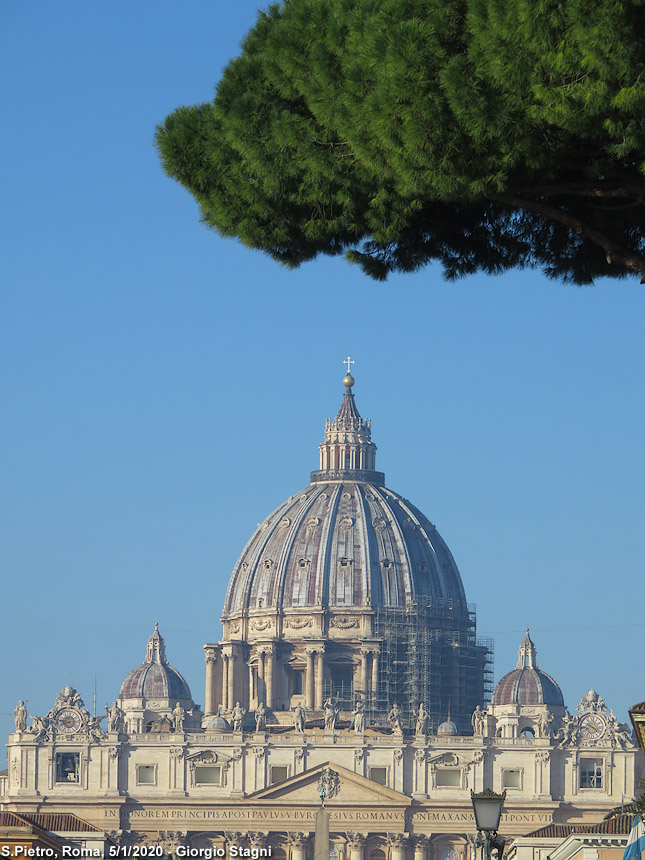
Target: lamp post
x: 487, y: 806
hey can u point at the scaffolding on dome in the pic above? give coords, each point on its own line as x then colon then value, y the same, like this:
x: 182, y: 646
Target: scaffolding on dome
x: 430, y: 653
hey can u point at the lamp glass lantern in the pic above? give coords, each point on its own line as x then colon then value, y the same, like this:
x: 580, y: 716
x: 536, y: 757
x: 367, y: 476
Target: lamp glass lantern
x: 487, y: 806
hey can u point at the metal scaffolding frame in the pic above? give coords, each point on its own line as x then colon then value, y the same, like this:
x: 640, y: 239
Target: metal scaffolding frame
x: 430, y: 653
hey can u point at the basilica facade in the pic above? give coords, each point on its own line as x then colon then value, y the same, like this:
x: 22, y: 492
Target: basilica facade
x: 349, y: 665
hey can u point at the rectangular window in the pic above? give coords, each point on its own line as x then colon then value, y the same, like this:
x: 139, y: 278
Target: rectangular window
x: 449, y: 777
x: 68, y: 766
x: 590, y: 773
x: 146, y: 774
x: 511, y: 779
x: 378, y: 774
x: 298, y: 682
x: 278, y: 774
x: 208, y: 774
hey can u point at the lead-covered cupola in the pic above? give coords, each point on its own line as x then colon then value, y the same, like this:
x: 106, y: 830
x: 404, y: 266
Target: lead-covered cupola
x: 154, y: 693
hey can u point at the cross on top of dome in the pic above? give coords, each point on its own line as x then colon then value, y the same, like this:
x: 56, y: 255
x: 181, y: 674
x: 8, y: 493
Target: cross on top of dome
x: 348, y: 381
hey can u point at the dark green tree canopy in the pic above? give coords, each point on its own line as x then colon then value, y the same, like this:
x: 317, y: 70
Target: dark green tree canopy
x: 486, y: 134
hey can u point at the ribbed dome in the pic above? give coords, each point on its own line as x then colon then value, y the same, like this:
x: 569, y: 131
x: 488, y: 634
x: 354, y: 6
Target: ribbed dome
x: 527, y: 684
x: 218, y: 724
x: 155, y: 678
x: 447, y: 728
x: 344, y: 544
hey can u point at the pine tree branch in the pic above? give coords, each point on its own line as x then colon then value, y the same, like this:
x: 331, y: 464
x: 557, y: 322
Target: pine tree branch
x: 585, y: 189
x: 615, y: 252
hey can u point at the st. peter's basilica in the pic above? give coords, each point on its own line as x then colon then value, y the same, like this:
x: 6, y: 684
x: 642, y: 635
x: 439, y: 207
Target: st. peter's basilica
x: 350, y: 657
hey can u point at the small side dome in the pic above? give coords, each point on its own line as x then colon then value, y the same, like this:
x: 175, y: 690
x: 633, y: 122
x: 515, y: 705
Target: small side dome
x: 155, y: 678
x: 218, y: 724
x: 447, y: 728
x: 527, y: 684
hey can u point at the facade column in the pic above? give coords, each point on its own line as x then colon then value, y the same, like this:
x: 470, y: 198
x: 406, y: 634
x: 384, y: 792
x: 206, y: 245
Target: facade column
x: 225, y: 670
x: 309, y: 680
x: 262, y: 693
x: 374, y: 674
x: 320, y: 674
x: 420, y: 848
x: 269, y: 655
x: 356, y: 844
x: 210, y: 705
x: 231, y: 681
x: 397, y: 842
x: 298, y: 844
x: 364, y: 658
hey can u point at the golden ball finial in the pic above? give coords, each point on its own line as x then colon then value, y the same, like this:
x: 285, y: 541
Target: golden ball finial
x: 348, y: 381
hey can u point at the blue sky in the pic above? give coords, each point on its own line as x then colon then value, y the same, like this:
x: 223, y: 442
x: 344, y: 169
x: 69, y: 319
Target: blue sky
x: 164, y: 389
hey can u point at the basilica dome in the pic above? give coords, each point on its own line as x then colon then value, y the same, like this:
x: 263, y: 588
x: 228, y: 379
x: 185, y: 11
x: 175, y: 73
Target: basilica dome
x: 345, y: 542
x: 348, y: 591
x: 527, y: 684
x: 155, y: 678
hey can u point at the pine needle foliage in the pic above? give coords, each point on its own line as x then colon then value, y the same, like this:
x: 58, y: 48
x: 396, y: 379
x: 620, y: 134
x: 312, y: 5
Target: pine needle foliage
x: 483, y: 134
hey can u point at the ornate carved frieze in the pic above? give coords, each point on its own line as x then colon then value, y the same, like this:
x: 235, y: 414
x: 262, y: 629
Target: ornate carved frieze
x: 298, y: 623
x: 344, y: 622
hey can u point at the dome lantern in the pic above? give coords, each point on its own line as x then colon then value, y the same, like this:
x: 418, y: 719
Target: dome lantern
x: 347, y: 452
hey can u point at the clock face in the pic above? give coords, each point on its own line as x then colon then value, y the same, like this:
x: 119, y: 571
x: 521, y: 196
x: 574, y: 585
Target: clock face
x: 592, y: 727
x: 68, y: 721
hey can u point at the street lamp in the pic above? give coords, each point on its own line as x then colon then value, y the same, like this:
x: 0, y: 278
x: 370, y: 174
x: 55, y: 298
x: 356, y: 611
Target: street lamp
x: 487, y: 806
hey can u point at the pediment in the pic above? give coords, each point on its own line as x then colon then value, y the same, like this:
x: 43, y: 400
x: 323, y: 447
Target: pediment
x: 304, y: 789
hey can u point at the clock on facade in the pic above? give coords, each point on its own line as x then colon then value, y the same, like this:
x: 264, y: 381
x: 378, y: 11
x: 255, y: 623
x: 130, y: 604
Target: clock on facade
x: 592, y: 726
x: 68, y: 721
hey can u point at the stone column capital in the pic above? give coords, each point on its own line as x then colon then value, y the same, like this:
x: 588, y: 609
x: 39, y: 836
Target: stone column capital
x: 297, y: 840
x: 355, y: 840
x: 397, y: 840
x: 257, y: 839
